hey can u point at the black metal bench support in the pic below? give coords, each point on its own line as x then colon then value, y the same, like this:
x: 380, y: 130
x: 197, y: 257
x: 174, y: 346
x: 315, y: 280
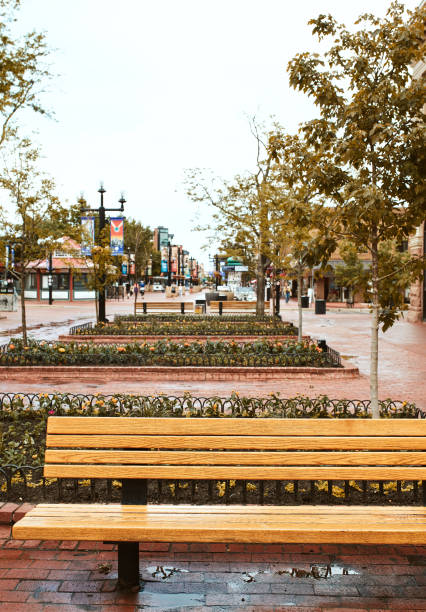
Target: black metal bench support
x: 182, y: 307
x: 133, y: 492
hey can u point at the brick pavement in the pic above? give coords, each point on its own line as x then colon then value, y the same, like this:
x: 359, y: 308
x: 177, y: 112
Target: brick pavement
x: 54, y: 576
x: 402, y: 350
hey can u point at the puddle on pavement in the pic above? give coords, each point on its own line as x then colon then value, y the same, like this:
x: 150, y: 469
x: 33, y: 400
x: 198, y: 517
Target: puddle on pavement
x: 163, y: 572
x: 172, y: 601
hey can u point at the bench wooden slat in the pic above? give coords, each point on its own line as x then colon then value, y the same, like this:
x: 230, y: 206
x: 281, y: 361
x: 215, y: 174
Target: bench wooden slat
x: 51, y: 509
x: 234, y: 442
x: 112, y: 457
x: 213, y: 524
x: 234, y: 472
x: 237, y: 427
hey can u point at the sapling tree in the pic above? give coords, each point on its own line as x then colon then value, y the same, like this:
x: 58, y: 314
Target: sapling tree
x: 33, y: 218
x: 371, y: 123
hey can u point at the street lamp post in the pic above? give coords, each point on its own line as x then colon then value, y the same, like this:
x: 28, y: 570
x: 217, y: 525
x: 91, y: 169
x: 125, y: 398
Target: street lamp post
x: 101, y: 215
x: 50, y: 280
x: 169, y: 263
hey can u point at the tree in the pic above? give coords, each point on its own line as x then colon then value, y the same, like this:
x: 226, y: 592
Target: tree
x: 246, y: 207
x: 22, y: 70
x: 35, y: 220
x: 139, y: 239
x: 351, y: 273
x: 371, y: 123
x: 103, y: 265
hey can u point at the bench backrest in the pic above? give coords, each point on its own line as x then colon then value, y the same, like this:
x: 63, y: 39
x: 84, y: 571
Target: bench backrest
x: 139, y: 306
x: 236, y: 305
x: 230, y: 448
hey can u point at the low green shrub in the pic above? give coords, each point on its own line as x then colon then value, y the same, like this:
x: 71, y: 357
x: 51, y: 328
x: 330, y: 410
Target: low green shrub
x: 259, y: 353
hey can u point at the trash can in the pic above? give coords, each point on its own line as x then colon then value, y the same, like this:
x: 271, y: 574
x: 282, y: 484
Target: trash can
x: 320, y: 307
x: 212, y: 296
x: 305, y: 301
x: 200, y: 307
x: 222, y: 298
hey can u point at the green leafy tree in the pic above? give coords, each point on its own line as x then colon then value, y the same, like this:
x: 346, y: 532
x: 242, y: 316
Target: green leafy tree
x: 352, y: 273
x: 34, y: 218
x: 139, y: 239
x: 23, y: 70
x: 371, y: 123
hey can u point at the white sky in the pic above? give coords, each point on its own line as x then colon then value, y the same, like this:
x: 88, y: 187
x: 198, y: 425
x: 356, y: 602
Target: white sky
x: 148, y: 88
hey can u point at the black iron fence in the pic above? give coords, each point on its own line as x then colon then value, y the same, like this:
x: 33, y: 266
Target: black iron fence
x: 78, y: 329
x: 23, y: 418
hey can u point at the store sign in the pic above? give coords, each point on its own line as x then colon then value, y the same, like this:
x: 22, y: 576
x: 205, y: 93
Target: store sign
x: 88, y: 235
x: 117, y: 236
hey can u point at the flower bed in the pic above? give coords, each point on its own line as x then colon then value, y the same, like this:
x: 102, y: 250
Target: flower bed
x: 261, y: 353
x: 188, y: 326
x: 174, y: 316
x: 22, y: 447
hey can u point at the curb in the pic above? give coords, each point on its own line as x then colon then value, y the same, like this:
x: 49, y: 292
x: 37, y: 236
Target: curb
x: 10, y: 512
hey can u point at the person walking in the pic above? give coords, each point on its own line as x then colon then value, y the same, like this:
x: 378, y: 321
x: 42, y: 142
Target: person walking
x: 286, y: 290
x: 136, y: 290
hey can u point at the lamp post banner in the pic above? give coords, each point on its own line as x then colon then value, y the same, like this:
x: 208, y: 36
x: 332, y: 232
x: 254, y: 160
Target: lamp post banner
x: 117, y: 236
x: 88, y: 238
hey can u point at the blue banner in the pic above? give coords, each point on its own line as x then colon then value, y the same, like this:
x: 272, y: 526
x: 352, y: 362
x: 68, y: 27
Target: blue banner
x: 117, y: 236
x: 164, y: 267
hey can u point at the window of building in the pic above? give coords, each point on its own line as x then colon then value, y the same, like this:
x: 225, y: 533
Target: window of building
x: 81, y: 282
x: 31, y: 281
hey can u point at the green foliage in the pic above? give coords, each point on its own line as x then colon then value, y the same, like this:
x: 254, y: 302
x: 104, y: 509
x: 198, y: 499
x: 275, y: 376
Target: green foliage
x: 192, y: 327
x: 259, y: 353
x: 139, y: 239
x: 23, y: 419
x: 23, y: 70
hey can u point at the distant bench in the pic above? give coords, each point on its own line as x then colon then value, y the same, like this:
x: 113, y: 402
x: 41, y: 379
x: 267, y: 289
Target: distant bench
x: 235, y: 306
x: 135, y: 449
x: 144, y: 307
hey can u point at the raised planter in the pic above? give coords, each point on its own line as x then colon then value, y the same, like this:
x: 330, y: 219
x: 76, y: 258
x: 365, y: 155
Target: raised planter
x: 60, y: 374
x: 125, y: 339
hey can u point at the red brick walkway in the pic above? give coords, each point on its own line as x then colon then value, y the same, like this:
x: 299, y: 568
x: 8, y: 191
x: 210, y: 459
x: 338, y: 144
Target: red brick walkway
x: 70, y: 576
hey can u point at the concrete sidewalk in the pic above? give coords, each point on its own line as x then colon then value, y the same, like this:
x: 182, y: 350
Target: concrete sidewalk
x: 54, y: 576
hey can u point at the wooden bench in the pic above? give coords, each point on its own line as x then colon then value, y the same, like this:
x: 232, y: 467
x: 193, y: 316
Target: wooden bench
x: 135, y: 449
x: 144, y: 307
x: 235, y: 305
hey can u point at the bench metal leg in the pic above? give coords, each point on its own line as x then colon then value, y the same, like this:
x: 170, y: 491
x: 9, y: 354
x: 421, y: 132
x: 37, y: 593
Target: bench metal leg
x: 128, y: 564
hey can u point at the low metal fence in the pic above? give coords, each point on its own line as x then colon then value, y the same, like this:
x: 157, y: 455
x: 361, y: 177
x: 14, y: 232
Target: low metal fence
x: 77, y: 329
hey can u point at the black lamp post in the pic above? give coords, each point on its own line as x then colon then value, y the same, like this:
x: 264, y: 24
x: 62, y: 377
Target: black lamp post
x: 169, y: 263
x: 50, y: 280
x: 101, y: 214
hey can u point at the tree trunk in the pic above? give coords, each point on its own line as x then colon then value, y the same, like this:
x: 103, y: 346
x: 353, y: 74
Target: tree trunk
x: 299, y: 302
x: 23, y: 311
x: 374, y: 345
x: 260, y: 288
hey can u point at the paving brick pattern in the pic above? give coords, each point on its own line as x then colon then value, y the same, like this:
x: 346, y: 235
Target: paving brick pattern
x: 67, y: 576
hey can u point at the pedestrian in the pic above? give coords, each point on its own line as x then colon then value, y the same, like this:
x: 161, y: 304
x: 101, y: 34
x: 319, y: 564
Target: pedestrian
x: 142, y: 287
x: 135, y: 290
x: 286, y: 292
x: 310, y: 295
x: 128, y: 290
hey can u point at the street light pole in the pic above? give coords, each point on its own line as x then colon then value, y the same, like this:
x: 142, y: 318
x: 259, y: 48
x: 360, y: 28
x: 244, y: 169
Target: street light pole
x: 102, y: 220
x: 169, y: 263
x: 50, y: 280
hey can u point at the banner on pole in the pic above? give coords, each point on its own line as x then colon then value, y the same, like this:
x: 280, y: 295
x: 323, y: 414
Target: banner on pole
x: 88, y: 231
x: 117, y: 236
x: 164, y: 266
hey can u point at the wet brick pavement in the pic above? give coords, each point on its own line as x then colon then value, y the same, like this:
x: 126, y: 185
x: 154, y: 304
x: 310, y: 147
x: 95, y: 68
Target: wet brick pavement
x: 69, y: 576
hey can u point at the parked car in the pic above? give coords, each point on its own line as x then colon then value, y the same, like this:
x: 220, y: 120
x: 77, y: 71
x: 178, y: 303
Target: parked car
x: 157, y: 287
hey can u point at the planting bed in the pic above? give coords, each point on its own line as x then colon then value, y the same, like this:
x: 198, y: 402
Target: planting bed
x: 23, y: 443
x: 260, y: 353
x: 184, y: 325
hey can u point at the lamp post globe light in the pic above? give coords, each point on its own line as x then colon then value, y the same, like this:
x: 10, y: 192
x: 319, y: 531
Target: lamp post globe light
x: 102, y: 219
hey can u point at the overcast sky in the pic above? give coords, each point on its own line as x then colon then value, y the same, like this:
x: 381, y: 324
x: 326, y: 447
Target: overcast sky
x: 147, y: 89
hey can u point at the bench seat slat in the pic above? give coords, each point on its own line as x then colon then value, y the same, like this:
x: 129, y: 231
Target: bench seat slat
x: 237, y: 427
x: 112, y: 457
x: 234, y: 472
x: 402, y: 525
x: 234, y: 442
